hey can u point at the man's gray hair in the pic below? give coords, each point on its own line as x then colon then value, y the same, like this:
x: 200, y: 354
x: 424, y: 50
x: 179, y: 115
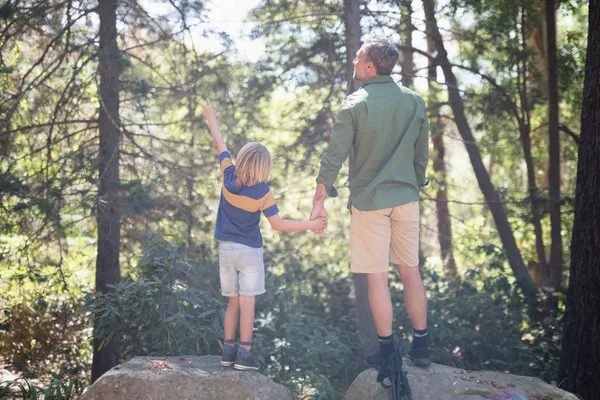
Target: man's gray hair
x: 382, y: 53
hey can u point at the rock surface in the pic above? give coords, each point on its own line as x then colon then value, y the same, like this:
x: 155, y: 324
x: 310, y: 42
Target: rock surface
x: 440, y: 382
x: 183, y: 378
x: 6, y: 375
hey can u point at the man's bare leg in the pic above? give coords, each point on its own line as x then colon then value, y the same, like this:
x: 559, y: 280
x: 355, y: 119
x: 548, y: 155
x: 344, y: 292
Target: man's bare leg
x: 383, y: 316
x: 415, y: 298
x: 381, y: 303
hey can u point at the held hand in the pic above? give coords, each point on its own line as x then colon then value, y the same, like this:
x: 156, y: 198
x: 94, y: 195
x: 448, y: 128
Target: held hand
x: 319, y: 212
x: 319, y: 224
x: 208, y: 111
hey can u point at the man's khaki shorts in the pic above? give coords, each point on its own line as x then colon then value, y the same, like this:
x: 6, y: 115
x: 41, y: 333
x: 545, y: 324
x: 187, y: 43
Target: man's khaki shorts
x: 381, y: 237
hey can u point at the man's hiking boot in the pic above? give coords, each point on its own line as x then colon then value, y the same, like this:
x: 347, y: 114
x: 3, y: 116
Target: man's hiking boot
x: 391, y: 375
x: 229, y: 355
x: 419, y: 356
x: 375, y: 360
x: 245, y: 361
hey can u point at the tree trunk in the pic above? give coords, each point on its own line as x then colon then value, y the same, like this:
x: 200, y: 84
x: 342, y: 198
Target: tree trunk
x: 189, y: 179
x: 556, y: 251
x: 366, y: 326
x: 521, y: 22
x: 353, y: 32
x: 537, y: 39
x: 534, y: 201
x: 580, y: 357
x: 444, y: 223
x: 487, y: 188
x: 406, y: 31
x: 107, y: 214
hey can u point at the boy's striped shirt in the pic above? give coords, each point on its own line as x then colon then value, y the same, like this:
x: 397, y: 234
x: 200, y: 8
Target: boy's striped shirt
x: 238, y: 217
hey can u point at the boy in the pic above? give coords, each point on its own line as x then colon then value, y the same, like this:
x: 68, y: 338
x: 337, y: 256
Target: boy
x: 244, y: 195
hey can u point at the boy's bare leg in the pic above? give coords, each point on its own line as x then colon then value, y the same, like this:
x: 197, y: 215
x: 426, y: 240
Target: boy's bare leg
x: 245, y: 360
x: 231, y: 321
x: 415, y: 298
x: 231, y: 317
x: 381, y: 303
x: 246, y: 318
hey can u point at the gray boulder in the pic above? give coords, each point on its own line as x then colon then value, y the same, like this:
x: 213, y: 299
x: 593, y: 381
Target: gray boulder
x: 182, y: 378
x: 440, y: 382
x: 6, y: 375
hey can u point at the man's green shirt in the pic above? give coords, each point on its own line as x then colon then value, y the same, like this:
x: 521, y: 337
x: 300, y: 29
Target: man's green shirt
x: 387, y: 127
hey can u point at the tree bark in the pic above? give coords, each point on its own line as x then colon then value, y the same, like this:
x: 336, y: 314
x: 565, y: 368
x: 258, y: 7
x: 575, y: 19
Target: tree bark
x: 107, y: 214
x: 537, y: 38
x: 366, y: 326
x: 525, y: 135
x: 406, y: 31
x: 521, y: 22
x: 353, y: 33
x: 189, y: 179
x: 444, y: 223
x: 579, y: 370
x: 556, y: 251
x: 485, y: 184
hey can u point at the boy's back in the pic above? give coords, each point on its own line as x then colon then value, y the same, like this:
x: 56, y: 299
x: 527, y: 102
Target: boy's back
x: 238, y: 217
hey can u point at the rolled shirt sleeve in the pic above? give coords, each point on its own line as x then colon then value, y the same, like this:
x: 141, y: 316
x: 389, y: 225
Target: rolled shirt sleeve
x: 342, y: 137
x: 268, y: 205
x: 225, y: 161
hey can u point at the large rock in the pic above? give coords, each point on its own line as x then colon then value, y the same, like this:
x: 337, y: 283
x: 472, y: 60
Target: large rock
x: 6, y: 375
x: 440, y: 382
x: 183, y: 378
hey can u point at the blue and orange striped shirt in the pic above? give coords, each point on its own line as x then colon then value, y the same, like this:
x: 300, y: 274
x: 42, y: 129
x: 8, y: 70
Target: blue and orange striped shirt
x: 240, y: 207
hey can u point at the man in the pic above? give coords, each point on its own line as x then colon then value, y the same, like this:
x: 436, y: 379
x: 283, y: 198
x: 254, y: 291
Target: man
x: 387, y: 127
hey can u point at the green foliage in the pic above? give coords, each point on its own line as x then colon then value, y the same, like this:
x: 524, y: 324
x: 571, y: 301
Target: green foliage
x: 45, y: 337
x: 482, y: 322
x: 170, y: 308
x: 27, y: 390
x: 167, y: 308
x: 299, y: 344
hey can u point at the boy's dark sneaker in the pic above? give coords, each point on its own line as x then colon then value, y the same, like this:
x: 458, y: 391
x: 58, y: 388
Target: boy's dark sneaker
x: 229, y: 355
x: 245, y: 361
x: 419, y: 356
x: 375, y: 360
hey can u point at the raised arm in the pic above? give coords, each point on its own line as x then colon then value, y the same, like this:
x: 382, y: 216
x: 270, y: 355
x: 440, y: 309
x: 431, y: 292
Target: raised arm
x: 211, y: 118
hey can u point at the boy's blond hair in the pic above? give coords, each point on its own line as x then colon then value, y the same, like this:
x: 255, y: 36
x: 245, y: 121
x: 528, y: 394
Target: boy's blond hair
x: 253, y: 164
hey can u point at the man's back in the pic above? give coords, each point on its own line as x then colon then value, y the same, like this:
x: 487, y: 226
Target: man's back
x: 386, y: 124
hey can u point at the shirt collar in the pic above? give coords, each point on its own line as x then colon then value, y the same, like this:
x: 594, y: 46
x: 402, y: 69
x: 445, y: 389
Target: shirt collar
x: 378, y: 79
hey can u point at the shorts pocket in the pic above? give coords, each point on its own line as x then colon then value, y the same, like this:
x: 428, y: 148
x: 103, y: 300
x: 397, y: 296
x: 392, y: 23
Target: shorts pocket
x: 252, y: 274
x: 227, y: 275
x: 250, y: 263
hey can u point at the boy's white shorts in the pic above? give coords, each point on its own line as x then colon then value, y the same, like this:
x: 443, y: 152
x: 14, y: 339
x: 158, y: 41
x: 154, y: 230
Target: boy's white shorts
x: 241, y: 269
